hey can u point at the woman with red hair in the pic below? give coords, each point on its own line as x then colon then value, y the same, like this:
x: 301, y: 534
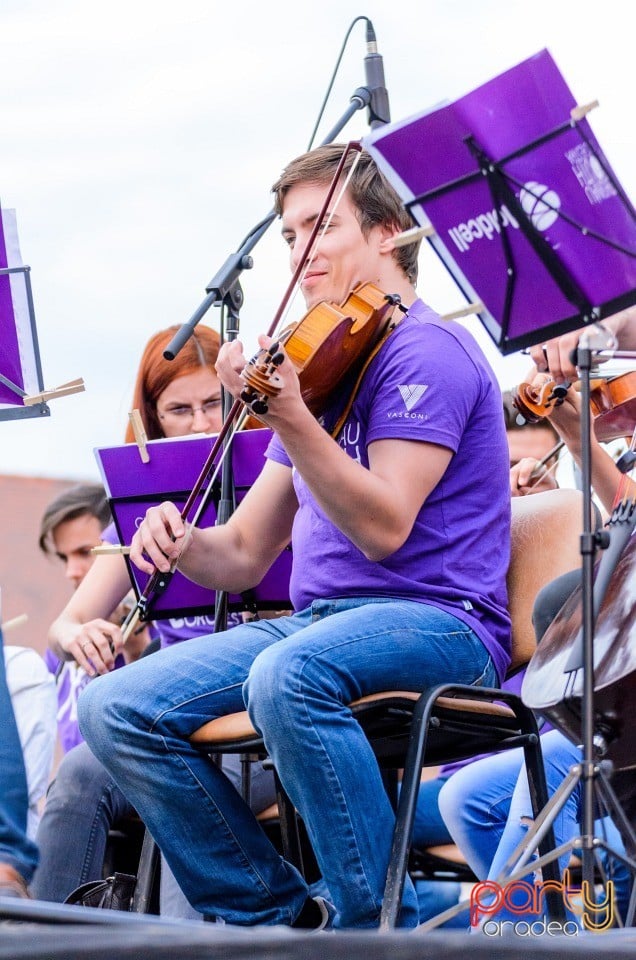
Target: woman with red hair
x: 174, y: 398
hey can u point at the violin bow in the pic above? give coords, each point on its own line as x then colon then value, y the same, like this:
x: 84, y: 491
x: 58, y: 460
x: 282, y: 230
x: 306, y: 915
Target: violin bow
x: 537, y: 473
x: 158, y: 581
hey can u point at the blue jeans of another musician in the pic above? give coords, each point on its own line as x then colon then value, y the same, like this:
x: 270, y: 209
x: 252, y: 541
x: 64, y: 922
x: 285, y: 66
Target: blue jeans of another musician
x: 296, y: 675
x: 486, y: 806
x: 16, y: 849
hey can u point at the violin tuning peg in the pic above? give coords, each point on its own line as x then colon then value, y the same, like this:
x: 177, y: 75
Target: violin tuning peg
x: 259, y: 407
x: 277, y: 359
x: 559, y: 391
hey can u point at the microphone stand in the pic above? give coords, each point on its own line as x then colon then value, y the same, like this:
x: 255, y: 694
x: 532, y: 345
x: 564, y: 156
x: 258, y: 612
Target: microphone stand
x: 226, y: 504
x: 224, y: 287
x: 591, y: 541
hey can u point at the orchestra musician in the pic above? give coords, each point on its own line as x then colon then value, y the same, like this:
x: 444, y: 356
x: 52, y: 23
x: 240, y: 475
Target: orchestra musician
x: 18, y: 852
x: 174, y: 398
x: 607, y: 480
x: 486, y: 806
x: 382, y: 519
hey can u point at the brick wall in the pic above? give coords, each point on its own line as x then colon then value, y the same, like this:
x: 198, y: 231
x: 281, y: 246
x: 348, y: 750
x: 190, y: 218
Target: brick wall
x: 31, y: 583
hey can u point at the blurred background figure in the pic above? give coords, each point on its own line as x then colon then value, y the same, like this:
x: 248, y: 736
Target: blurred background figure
x: 72, y: 524
x: 18, y: 797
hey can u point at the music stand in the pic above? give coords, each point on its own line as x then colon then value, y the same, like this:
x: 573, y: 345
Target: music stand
x: 527, y: 214
x: 517, y: 187
x: 20, y: 367
x: 173, y: 465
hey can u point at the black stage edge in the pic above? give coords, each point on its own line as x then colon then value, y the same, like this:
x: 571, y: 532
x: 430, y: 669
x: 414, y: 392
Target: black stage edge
x: 148, y: 938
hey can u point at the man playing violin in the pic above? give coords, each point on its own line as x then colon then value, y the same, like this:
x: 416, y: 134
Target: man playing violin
x: 400, y: 534
x: 609, y: 485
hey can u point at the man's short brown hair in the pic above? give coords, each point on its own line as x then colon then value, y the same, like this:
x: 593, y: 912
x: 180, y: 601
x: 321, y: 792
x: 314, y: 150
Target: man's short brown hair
x: 374, y: 198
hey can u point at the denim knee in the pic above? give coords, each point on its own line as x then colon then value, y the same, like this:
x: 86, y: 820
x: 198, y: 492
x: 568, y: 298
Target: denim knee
x: 80, y: 774
x: 278, y: 680
x: 98, y: 708
x: 266, y: 686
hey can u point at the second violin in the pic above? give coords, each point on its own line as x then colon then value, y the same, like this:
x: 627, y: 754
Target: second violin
x: 612, y: 403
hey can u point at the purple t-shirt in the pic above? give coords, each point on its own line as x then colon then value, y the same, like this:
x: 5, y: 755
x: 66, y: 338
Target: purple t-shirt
x: 429, y: 382
x: 70, y: 680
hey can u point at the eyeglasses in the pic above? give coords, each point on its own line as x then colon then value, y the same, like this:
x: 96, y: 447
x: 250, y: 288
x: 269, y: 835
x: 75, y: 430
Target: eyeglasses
x: 182, y: 414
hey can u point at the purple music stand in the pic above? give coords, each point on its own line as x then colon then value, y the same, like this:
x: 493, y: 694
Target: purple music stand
x: 529, y: 218
x: 20, y: 368
x: 133, y: 486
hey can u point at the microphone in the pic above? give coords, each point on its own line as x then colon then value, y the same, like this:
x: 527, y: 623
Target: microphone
x: 378, y: 110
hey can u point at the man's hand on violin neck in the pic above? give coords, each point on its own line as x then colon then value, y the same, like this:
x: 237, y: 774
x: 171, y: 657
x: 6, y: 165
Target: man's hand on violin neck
x: 269, y: 379
x: 229, y: 364
x: 554, y: 356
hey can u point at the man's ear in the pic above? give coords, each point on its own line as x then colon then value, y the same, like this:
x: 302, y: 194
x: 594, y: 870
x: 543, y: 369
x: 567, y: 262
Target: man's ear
x: 389, y: 233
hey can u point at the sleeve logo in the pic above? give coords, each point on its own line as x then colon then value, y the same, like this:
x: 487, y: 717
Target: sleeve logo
x: 411, y: 393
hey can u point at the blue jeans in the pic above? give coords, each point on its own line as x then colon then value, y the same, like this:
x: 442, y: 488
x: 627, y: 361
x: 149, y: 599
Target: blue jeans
x: 16, y: 849
x: 486, y: 806
x: 83, y: 804
x: 296, y: 676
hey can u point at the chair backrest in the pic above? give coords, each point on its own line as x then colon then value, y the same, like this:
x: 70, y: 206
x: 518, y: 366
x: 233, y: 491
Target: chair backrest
x: 545, y: 543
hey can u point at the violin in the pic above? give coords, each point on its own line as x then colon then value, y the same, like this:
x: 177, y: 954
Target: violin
x: 330, y: 341
x: 612, y: 403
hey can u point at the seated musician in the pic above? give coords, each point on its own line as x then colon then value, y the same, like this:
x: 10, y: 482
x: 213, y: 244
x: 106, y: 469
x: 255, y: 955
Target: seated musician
x: 18, y: 852
x: 71, y: 526
x: 486, y: 806
x: 400, y: 534
x: 174, y: 398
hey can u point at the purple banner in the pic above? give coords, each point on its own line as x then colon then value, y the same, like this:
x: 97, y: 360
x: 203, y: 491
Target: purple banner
x: 174, y: 466
x: 548, y: 234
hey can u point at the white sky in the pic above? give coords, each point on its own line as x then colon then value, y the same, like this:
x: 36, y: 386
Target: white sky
x: 140, y: 140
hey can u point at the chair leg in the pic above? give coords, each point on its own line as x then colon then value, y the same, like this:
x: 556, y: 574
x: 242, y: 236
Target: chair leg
x: 290, y: 835
x: 405, y: 816
x: 146, y: 887
x: 538, y: 790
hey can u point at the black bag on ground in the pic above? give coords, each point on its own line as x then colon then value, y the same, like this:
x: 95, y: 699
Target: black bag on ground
x: 113, y: 893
